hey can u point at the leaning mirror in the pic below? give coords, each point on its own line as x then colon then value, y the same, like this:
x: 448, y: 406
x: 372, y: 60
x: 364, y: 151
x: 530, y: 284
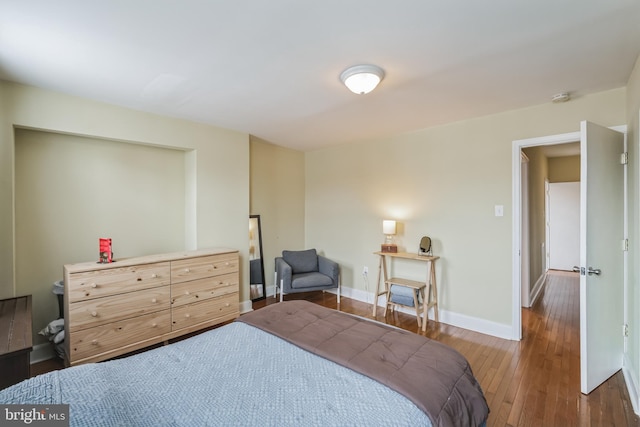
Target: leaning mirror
x: 256, y: 266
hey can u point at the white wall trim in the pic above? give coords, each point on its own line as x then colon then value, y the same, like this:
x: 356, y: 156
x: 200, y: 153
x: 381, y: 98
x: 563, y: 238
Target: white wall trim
x: 630, y: 380
x: 476, y: 324
x: 246, y: 306
x: 525, y: 279
x: 270, y: 290
x: 450, y: 318
x: 42, y: 352
x: 537, y: 289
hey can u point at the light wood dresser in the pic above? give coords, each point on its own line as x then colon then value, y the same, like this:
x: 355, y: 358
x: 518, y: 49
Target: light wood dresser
x: 112, y: 309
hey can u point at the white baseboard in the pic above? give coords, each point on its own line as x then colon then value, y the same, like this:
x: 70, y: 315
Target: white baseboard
x: 42, y: 352
x: 246, y: 306
x: 450, y: 318
x: 476, y: 324
x: 537, y: 289
x: 631, y: 380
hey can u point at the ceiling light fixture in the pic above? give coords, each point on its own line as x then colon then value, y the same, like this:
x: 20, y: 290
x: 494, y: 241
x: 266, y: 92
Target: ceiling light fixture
x: 362, y: 79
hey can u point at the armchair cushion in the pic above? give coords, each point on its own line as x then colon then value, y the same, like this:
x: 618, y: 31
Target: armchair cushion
x: 301, y: 261
x: 310, y: 280
x: 403, y: 295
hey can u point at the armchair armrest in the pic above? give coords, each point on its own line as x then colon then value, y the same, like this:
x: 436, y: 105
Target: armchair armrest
x: 329, y: 268
x: 283, y: 272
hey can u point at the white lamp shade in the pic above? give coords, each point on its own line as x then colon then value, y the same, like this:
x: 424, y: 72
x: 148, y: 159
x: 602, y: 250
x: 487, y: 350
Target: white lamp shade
x: 362, y: 83
x: 362, y: 79
x: 388, y: 227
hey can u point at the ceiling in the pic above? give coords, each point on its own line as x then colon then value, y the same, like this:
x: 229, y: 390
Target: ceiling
x: 270, y: 68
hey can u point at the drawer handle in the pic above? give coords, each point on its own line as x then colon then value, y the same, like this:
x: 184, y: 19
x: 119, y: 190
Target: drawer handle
x: 227, y: 305
x: 94, y: 313
x: 187, y: 315
x: 93, y: 285
x: 154, y: 325
x: 187, y: 293
x: 154, y: 276
x: 94, y: 342
x: 153, y: 300
x: 226, y: 263
x: 186, y: 270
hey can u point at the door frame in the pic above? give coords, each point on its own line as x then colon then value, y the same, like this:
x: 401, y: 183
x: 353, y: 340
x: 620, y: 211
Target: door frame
x: 517, y: 146
x: 525, y: 279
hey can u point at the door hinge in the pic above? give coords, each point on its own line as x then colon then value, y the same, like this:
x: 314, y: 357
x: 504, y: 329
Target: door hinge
x: 625, y: 330
x: 625, y: 245
x: 624, y: 158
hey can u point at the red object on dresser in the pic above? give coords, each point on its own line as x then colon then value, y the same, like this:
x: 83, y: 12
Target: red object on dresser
x: 106, y: 254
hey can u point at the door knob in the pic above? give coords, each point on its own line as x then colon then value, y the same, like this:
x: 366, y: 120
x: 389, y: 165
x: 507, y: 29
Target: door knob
x: 576, y: 269
x: 595, y: 271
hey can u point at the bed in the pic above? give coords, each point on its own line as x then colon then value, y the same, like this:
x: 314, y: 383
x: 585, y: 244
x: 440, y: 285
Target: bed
x: 292, y: 363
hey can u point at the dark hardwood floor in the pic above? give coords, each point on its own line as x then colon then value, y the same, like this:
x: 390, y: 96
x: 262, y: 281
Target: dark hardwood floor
x: 534, y: 382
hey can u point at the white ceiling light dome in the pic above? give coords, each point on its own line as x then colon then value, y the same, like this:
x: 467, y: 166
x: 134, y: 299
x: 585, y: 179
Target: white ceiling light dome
x: 362, y: 79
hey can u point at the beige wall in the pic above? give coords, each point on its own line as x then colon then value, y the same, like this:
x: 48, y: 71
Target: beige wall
x: 69, y: 191
x: 538, y: 173
x: 564, y: 169
x: 216, y: 169
x: 443, y: 182
x: 277, y: 195
x: 632, y: 359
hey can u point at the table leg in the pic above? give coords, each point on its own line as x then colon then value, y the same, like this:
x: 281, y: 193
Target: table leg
x: 416, y: 304
x: 377, y: 291
x: 431, y: 292
x: 434, y: 290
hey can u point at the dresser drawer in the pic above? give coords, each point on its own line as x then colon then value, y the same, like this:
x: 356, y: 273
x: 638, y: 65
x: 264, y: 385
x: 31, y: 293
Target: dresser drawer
x: 94, y: 284
x: 192, y: 314
x: 203, y: 289
x: 99, y: 311
x: 201, y: 267
x: 101, y: 339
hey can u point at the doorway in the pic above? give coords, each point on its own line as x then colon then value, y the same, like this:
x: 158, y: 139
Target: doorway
x: 602, y: 200
x: 544, y: 163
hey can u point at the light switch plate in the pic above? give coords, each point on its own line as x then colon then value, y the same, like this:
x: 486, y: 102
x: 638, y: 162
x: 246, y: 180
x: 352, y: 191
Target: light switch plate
x: 499, y: 209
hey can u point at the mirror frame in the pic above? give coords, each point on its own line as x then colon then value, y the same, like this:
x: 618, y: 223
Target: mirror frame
x: 264, y: 287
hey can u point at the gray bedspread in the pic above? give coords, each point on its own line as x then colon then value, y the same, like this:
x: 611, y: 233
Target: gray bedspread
x: 434, y: 376
x: 236, y: 375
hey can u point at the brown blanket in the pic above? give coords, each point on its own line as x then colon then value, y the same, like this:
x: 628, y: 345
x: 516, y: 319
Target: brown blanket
x: 432, y: 375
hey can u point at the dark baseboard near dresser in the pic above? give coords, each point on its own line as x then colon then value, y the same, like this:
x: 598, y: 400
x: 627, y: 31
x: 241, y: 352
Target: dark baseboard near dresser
x: 15, y: 340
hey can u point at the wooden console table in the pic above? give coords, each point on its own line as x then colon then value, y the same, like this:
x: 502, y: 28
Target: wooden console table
x: 15, y: 340
x: 430, y: 296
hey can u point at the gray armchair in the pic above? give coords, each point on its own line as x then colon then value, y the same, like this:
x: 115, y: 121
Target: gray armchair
x: 304, y: 271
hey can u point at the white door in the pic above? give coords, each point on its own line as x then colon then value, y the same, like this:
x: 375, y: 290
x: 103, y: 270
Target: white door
x: 564, y: 225
x: 601, y: 255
